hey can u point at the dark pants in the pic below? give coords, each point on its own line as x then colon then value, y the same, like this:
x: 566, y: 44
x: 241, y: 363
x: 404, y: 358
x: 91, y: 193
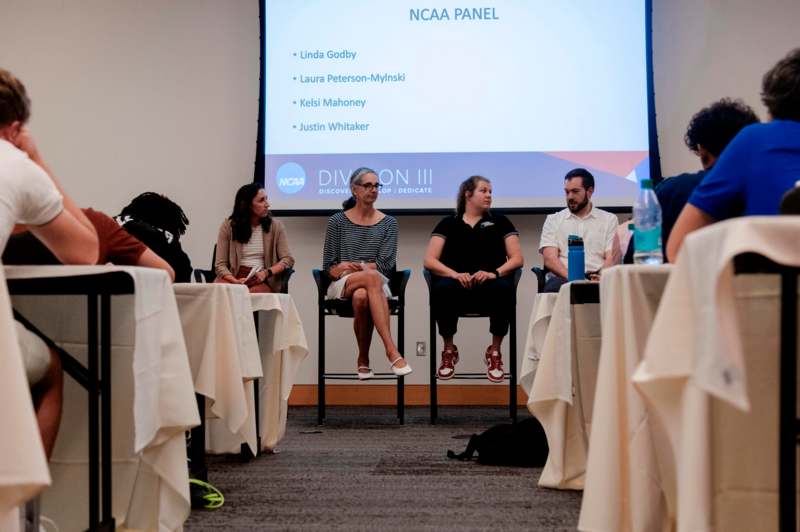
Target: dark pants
x: 494, y: 297
x: 553, y: 284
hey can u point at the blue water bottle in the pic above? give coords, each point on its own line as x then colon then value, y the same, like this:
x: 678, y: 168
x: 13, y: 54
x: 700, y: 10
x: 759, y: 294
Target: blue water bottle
x: 576, y: 267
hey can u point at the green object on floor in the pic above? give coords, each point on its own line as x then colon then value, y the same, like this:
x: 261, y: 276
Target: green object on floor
x: 205, y: 495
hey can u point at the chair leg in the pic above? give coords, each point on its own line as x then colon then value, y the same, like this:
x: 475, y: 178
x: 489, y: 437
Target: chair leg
x: 321, y: 370
x: 433, y: 382
x: 512, y: 387
x: 401, y: 413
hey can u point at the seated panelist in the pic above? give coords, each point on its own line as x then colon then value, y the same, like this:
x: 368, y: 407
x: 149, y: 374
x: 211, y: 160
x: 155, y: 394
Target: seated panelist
x: 251, y: 239
x: 360, y: 255
x: 471, y: 255
x: 597, y: 228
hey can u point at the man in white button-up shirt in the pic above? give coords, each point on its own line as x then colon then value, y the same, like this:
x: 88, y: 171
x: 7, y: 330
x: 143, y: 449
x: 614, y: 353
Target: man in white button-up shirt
x: 597, y: 228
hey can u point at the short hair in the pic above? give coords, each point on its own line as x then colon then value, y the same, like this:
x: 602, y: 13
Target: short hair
x: 713, y: 127
x: 588, y: 178
x: 780, y: 88
x: 15, y: 106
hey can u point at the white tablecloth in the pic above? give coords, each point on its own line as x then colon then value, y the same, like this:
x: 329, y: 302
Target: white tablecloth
x: 283, y: 347
x: 153, y: 401
x: 23, y: 466
x: 537, y: 330
x: 223, y: 351
x: 710, y: 374
x: 561, y: 397
x: 623, y: 490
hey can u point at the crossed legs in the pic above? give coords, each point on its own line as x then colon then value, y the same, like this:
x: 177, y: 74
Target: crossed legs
x: 371, y: 309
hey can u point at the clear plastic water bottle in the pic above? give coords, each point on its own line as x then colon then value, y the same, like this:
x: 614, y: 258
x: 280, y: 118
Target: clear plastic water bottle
x: 647, y: 226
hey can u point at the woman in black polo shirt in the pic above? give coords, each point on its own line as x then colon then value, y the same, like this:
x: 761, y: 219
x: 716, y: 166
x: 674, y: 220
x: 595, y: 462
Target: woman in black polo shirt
x: 471, y: 255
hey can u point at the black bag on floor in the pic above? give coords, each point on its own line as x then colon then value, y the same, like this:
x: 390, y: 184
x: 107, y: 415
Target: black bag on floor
x: 523, y: 444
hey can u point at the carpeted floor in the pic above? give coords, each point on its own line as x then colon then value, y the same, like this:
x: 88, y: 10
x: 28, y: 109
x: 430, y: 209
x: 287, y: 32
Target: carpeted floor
x: 363, y: 471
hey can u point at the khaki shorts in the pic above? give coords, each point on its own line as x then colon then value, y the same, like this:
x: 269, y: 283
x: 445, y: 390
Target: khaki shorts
x: 35, y: 354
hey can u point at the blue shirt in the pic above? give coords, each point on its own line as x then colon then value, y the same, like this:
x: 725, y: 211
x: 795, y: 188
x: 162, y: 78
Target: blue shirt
x: 753, y: 172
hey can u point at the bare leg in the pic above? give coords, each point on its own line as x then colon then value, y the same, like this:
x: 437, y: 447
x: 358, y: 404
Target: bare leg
x: 378, y: 307
x: 362, y: 324
x: 48, y: 395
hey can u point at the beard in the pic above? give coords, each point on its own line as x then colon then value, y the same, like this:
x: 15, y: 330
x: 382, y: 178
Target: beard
x: 578, y: 207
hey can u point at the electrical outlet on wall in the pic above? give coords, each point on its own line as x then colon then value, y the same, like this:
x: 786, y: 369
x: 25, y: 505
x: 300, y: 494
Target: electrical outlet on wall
x: 420, y: 349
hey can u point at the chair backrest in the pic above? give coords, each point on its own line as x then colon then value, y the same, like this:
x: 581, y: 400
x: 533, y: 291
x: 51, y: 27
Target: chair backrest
x: 541, y: 277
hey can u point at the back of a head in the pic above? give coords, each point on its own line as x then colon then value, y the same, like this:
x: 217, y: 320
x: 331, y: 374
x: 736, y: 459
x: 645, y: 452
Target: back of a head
x: 158, y: 211
x: 15, y: 106
x: 780, y: 88
x: 713, y: 127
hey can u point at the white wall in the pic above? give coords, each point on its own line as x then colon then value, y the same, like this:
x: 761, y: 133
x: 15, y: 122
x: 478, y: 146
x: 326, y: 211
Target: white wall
x: 135, y: 95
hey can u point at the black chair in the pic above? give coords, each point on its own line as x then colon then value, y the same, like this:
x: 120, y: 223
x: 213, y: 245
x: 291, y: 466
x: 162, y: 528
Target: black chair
x: 541, y: 277
x: 344, y: 309
x: 475, y: 313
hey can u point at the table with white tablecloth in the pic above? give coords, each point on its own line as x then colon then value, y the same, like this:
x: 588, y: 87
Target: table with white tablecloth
x: 563, y: 386
x: 153, y: 401
x: 23, y: 465
x: 537, y: 330
x: 623, y: 490
x: 283, y: 347
x: 223, y: 351
x: 710, y: 374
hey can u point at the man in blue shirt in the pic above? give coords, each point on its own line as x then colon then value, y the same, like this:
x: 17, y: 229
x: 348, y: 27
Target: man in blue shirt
x: 757, y: 167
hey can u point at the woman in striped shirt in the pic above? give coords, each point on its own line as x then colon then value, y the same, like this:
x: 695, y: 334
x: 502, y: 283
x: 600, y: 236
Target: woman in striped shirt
x: 359, y: 256
x: 251, y: 239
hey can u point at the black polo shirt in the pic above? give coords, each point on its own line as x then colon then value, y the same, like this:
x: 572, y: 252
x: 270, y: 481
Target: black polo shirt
x: 469, y: 249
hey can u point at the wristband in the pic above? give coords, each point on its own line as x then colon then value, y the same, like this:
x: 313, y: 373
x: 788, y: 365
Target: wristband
x: 497, y: 273
x: 269, y: 273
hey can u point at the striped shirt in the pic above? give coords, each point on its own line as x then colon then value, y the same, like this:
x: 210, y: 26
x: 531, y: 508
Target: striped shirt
x: 349, y: 242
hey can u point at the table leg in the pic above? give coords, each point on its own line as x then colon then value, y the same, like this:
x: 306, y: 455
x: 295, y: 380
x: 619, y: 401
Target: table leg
x: 93, y: 391
x: 105, y: 396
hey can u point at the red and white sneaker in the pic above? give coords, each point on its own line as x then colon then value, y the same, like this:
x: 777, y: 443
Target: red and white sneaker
x: 447, y: 367
x: 494, y: 365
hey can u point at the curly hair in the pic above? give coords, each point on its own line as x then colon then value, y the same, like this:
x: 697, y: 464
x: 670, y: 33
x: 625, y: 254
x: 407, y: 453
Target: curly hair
x: 15, y: 106
x: 780, y: 88
x: 158, y: 211
x: 468, y: 185
x: 713, y: 127
x: 242, y: 212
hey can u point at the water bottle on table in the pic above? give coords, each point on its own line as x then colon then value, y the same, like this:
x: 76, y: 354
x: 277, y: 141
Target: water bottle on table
x: 647, y: 226
x: 576, y: 268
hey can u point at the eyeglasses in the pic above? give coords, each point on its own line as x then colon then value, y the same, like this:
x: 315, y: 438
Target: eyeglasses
x: 371, y: 186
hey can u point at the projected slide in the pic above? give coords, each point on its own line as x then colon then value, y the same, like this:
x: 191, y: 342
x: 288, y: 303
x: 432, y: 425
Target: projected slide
x: 428, y: 94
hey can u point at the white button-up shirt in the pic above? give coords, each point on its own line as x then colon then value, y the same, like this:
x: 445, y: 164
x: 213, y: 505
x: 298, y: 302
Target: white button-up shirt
x: 597, y: 229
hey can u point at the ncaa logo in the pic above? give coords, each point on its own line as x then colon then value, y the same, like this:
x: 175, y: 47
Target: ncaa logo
x: 291, y: 178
